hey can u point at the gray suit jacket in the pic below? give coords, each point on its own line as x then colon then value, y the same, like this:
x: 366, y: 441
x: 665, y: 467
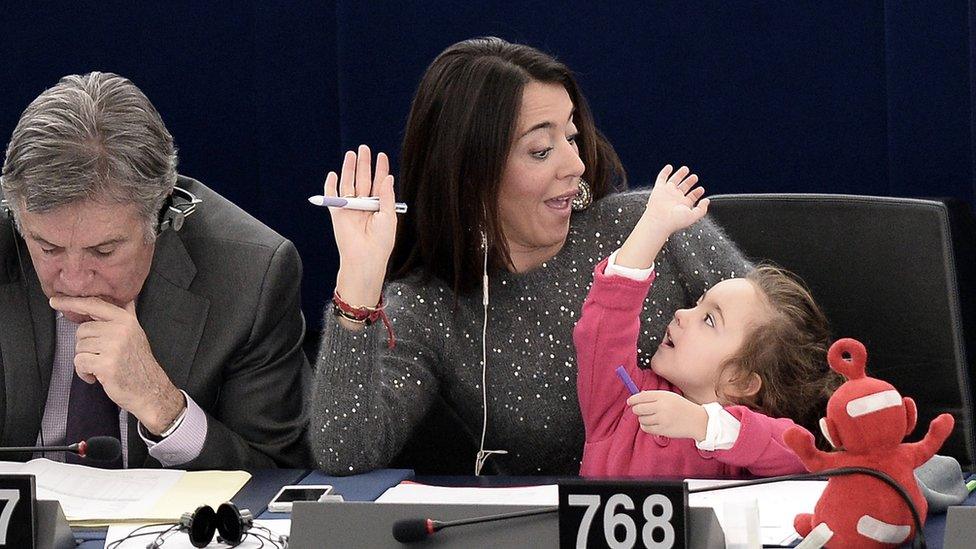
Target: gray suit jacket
x: 221, y: 310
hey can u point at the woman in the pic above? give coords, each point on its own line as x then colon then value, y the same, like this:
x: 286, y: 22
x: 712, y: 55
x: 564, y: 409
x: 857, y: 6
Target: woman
x: 500, y: 155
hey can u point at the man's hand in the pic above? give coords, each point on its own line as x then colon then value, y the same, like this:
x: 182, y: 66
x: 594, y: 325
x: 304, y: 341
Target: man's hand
x: 112, y: 349
x: 669, y: 414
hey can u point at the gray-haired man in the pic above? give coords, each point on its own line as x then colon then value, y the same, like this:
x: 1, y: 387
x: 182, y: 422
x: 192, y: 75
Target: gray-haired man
x: 121, y: 317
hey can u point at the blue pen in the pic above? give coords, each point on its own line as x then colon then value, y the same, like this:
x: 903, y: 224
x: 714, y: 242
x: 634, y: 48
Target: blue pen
x: 631, y: 386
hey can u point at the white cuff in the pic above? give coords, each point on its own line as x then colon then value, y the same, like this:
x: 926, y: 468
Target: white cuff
x: 176, y: 422
x: 185, y: 442
x: 722, y: 430
x: 632, y: 273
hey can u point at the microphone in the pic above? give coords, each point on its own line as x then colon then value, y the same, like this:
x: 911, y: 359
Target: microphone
x: 413, y: 530
x: 95, y: 448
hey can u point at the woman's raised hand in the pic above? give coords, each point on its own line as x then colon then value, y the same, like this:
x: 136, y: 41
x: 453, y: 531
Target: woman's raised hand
x: 365, y: 239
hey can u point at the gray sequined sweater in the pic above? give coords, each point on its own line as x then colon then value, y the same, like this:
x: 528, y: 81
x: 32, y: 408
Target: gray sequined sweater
x: 367, y: 399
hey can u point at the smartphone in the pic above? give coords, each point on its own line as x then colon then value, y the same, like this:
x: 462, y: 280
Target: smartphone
x: 282, y: 501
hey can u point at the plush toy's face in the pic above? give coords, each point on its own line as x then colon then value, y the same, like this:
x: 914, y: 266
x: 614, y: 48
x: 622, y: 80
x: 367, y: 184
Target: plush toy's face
x: 866, y: 414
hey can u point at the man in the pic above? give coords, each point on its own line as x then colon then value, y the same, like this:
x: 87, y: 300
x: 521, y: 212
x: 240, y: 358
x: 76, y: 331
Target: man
x: 124, y: 316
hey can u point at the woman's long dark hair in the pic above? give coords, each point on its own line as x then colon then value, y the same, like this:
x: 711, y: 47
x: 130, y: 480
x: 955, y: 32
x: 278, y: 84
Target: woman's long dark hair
x: 458, y: 138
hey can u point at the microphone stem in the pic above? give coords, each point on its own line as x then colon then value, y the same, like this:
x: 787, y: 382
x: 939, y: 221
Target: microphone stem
x: 502, y: 516
x: 45, y: 449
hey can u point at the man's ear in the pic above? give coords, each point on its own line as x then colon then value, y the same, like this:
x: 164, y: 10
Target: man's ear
x: 744, y: 385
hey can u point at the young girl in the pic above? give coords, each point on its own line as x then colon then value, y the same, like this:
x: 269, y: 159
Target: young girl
x: 727, y: 373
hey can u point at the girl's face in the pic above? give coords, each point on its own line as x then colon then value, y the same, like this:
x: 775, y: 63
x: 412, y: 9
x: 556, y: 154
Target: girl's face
x: 699, y: 340
x: 541, y: 176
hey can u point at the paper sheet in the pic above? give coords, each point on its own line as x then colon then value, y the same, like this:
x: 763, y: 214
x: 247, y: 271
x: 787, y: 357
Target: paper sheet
x: 90, y: 493
x: 412, y: 492
x: 178, y: 540
x: 196, y: 488
x: 91, y: 496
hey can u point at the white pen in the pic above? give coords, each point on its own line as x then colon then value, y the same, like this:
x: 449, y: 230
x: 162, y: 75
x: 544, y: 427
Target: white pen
x: 364, y: 203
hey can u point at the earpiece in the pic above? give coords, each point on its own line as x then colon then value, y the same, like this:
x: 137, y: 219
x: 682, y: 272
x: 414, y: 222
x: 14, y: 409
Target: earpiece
x: 483, y: 454
x: 180, y: 205
x: 232, y: 524
x: 200, y: 525
x: 484, y: 269
x: 5, y: 210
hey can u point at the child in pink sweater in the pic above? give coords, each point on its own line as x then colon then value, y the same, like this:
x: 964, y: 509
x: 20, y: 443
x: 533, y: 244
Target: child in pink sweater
x: 726, y: 375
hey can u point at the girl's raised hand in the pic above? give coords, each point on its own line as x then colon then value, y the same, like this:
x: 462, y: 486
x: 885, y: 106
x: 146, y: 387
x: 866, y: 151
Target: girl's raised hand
x: 676, y: 202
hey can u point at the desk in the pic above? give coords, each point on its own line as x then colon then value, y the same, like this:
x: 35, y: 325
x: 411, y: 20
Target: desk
x: 935, y: 525
x: 255, y: 495
x: 263, y: 485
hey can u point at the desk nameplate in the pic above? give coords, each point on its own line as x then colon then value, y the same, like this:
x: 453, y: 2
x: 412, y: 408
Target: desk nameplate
x: 623, y: 513
x: 18, y: 498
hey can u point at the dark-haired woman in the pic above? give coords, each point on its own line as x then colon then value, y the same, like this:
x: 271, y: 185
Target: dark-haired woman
x: 500, y: 155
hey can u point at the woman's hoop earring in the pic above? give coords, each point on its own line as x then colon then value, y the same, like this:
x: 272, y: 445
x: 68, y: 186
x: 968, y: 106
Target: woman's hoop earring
x: 584, y: 198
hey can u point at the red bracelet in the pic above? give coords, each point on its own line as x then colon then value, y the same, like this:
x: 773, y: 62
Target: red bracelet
x: 364, y: 315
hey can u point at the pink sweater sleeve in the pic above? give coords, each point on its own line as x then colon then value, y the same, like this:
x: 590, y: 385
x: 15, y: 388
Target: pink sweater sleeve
x: 760, y: 447
x: 606, y: 337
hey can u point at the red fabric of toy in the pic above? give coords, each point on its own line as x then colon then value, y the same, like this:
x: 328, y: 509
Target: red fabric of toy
x: 867, y: 419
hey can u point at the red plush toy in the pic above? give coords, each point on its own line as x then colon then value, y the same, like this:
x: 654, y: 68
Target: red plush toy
x: 866, y: 420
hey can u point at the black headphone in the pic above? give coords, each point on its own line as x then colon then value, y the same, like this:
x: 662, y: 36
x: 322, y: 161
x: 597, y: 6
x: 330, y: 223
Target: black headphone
x: 180, y: 204
x: 230, y: 524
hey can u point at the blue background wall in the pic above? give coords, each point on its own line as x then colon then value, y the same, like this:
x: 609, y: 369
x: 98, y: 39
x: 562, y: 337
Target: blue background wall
x: 848, y: 97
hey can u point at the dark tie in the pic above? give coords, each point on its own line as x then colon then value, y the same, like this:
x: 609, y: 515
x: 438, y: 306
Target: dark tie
x: 90, y: 414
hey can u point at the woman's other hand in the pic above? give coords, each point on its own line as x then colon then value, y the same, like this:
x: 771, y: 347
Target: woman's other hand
x: 365, y: 239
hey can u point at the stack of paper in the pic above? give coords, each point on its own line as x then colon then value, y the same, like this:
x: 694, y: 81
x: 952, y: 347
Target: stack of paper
x: 96, y: 497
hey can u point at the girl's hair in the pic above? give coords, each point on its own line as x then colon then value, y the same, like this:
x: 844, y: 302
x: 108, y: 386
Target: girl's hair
x: 788, y: 352
x: 456, y: 144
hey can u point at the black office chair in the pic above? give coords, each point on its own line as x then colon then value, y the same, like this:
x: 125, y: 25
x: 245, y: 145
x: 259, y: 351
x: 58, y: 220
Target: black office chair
x: 895, y: 273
